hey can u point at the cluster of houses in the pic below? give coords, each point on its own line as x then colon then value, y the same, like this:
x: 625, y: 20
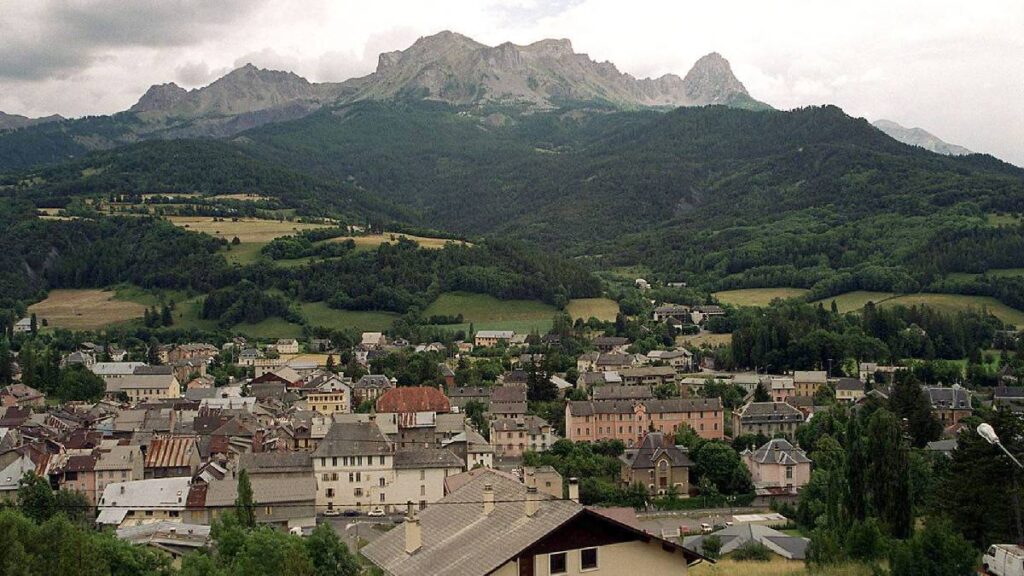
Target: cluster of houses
x: 160, y: 455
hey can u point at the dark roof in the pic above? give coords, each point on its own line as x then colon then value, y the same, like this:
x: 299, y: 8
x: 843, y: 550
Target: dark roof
x: 616, y: 392
x: 653, y: 448
x: 529, y: 424
x: 779, y: 451
x: 949, y: 398
x: 260, y: 462
x: 516, y: 376
x: 83, y: 463
x: 153, y: 371
x: 770, y: 412
x: 353, y: 439
x: 671, y: 405
x: 611, y: 341
x: 849, y: 384
x: 1009, y: 393
x: 612, y: 359
x: 413, y: 399
x: 508, y: 394
x: 373, y: 381
x: 427, y: 458
x: 469, y: 392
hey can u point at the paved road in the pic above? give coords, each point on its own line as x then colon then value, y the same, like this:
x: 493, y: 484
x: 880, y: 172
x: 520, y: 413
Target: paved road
x: 689, y: 521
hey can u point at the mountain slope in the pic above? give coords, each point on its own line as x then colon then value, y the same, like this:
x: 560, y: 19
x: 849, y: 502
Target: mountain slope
x: 919, y: 137
x: 15, y: 121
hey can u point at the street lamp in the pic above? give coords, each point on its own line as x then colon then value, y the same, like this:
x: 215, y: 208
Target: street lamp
x: 987, y: 432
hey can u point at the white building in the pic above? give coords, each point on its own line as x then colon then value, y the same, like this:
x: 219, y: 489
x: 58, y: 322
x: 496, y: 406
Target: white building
x: 357, y: 467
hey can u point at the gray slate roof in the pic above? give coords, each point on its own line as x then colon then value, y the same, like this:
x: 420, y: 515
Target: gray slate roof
x: 353, y: 439
x: 779, y: 451
x: 427, y: 458
x: 655, y: 446
x: 460, y: 540
x: 618, y: 392
x: 789, y: 547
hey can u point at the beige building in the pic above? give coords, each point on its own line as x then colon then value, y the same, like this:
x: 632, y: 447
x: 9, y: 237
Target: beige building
x: 808, y: 382
x: 118, y: 464
x: 768, y: 418
x: 778, y: 466
x: 849, y: 390
x: 510, y: 437
x: 489, y: 338
x: 657, y: 464
x: 357, y: 467
x: 151, y: 383
x: 334, y: 401
x: 139, y: 502
x: 287, y: 346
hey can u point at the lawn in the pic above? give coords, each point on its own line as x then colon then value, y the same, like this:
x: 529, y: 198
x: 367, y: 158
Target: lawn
x: 244, y: 253
x: 758, y: 296
x: 371, y: 241
x: 776, y: 567
x: 246, y: 229
x: 320, y: 314
x: 958, y: 302
x: 269, y: 329
x: 187, y: 308
x: 84, y: 309
x: 853, y: 301
x: 489, y: 313
x: 601, y: 308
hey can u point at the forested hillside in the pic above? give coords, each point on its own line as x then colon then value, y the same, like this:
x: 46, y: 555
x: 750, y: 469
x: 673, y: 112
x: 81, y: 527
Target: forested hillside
x: 716, y: 197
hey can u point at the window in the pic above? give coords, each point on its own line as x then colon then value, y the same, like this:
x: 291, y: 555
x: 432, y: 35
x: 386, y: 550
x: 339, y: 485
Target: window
x: 381, y: 460
x: 381, y: 496
x: 588, y: 559
x: 423, y: 490
x: 381, y: 481
x: 789, y: 472
x: 557, y: 563
x: 334, y: 461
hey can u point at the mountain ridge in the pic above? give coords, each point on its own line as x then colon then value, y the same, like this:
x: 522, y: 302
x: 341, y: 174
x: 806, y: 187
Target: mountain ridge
x: 919, y: 137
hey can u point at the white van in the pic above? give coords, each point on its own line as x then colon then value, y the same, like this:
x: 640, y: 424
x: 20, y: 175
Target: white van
x: 1004, y: 560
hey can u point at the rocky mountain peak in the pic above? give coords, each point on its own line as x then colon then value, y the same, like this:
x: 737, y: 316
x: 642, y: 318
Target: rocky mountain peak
x: 160, y: 97
x: 712, y: 81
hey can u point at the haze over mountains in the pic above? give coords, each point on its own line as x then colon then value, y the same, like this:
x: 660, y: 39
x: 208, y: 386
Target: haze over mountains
x: 920, y: 137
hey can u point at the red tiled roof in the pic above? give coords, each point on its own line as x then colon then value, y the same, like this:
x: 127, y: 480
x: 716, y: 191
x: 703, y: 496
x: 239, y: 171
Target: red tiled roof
x: 170, y: 452
x: 413, y: 399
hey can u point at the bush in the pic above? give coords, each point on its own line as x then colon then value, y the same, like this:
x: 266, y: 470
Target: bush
x: 711, y: 547
x: 753, y: 551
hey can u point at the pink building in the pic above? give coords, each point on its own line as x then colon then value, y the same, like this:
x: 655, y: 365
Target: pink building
x: 778, y: 467
x: 630, y: 420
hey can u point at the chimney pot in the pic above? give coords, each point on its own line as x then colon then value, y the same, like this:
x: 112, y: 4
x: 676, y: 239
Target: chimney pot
x: 413, y: 532
x: 574, y: 490
x: 532, y: 501
x: 488, y: 499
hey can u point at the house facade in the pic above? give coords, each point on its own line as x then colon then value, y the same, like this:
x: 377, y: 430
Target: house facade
x: 658, y: 465
x: 629, y: 421
x: 510, y: 437
x: 768, y: 418
x: 778, y: 465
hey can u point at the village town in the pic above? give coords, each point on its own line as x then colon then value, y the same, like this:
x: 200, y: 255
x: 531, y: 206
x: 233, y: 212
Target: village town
x: 415, y: 475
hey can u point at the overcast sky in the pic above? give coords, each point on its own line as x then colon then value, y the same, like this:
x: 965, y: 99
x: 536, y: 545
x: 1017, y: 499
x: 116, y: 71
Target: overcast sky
x: 955, y: 68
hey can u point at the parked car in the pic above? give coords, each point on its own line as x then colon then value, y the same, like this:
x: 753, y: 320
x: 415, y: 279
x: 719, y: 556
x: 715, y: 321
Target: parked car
x: 350, y: 512
x: 332, y: 512
x: 705, y: 528
x: 1003, y: 560
x: 376, y: 513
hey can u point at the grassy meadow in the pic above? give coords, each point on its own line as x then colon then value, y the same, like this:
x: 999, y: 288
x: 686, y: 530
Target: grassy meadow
x: 84, y: 309
x: 489, y: 313
x: 758, y: 296
x: 601, y: 308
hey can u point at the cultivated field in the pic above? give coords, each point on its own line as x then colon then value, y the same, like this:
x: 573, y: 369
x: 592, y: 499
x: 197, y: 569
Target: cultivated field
x: 757, y: 296
x: 489, y: 313
x: 241, y: 197
x: 705, y: 338
x: 84, y: 309
x: 958, y: 302
x: 246, y: 229
x: 371, y: 241
x: 853, y: 301
x: 586, y: 308
x: 320, y: 314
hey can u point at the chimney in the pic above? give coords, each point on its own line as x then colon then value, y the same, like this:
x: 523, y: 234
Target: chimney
x: 413, y: 535
x: 532, y: 501
x: 574, y: 490
x: 488, y: 499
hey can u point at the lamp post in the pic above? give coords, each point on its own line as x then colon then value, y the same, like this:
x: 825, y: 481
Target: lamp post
x: 987, y: 432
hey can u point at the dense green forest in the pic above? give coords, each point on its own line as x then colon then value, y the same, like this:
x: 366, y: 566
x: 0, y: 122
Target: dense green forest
x: 717, y: 197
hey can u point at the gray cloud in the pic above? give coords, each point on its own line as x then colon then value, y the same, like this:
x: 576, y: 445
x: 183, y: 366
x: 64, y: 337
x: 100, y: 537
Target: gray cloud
x: 57, y: 38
